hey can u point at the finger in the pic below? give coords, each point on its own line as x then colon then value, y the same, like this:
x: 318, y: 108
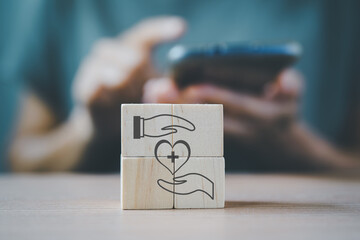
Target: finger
x: 132, y: 53
x: 161, y: 90
x: 111, y: 50
x: 132, y: 62
x: 238, y: 128
x: 153, y: 31
x: 288, y: 86
x: 97, y: 78
x: 86, y: 81
x: 239, y: 104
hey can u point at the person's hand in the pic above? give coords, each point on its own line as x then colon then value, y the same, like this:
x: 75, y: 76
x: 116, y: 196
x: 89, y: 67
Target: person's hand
x: 263, y: 128
x: 116, y: 70
x: 261, y: 124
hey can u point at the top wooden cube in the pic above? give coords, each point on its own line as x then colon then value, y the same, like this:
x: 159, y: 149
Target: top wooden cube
x: 182, y: 129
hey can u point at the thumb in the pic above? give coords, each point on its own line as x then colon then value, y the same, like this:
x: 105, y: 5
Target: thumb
x: 153, y: 31
x: 288, y: 85
x: 291, y: 83
x: 160, y: 90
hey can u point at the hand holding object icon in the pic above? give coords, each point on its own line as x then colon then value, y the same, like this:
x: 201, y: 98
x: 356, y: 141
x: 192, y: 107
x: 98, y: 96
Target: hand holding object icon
x: 141, y: 131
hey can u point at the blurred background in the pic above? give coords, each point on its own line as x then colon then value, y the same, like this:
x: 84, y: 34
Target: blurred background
x: 48, y: 122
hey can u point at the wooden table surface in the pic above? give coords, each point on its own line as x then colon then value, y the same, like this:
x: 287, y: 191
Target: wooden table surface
x: 258, y: 206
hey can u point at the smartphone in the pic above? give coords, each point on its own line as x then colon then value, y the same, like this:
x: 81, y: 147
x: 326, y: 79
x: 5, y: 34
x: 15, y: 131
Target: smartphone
x: 242, y: 66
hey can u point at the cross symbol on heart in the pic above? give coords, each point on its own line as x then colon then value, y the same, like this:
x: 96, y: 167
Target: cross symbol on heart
x: 172, y: 156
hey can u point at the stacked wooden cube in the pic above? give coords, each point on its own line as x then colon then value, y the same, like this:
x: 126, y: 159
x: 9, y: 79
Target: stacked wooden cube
x: 172, y: 156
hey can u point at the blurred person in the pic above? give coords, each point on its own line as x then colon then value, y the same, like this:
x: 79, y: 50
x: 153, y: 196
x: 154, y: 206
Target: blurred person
x: 82, y: 59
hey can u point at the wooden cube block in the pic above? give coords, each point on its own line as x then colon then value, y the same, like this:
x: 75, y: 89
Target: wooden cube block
x: 142, y: 125
x: 139, y: 187
x: 200, y: 182
x: 206, y: 140
x: 172, y: 156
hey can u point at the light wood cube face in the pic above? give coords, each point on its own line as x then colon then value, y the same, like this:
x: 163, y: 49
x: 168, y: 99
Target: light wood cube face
x: 200, y: 125
x: 207, y: 138
x: 172, y: 156
x: 139, y: 188
x: 200, y: 183
x: 142, y: 127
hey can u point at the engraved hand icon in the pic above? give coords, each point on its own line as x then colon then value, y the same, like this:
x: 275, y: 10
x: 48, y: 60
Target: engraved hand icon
x: 150, y: 127
x: 188, y: 184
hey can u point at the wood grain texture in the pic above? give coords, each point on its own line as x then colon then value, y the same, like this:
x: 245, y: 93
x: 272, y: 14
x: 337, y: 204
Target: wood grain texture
x: 211, y: 180
x: 144, y: 146
x: 139, y: 186
x: 258, y: 206
x: 207, y: 138
x: 200, y: 125
x: 153, y: 131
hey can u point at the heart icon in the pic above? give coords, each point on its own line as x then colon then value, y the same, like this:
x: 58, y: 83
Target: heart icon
x: 180, y: 142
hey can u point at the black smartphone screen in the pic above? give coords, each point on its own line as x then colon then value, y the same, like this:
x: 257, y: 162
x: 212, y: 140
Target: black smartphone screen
x: 236, y: 65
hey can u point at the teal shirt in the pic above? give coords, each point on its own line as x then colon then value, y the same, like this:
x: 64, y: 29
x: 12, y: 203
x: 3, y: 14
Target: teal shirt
x: 44, y: 41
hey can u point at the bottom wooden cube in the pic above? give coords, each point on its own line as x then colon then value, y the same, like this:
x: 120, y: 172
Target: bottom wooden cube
x: 199, y: 182
x: 162, y: 183
x: 139, y: 187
